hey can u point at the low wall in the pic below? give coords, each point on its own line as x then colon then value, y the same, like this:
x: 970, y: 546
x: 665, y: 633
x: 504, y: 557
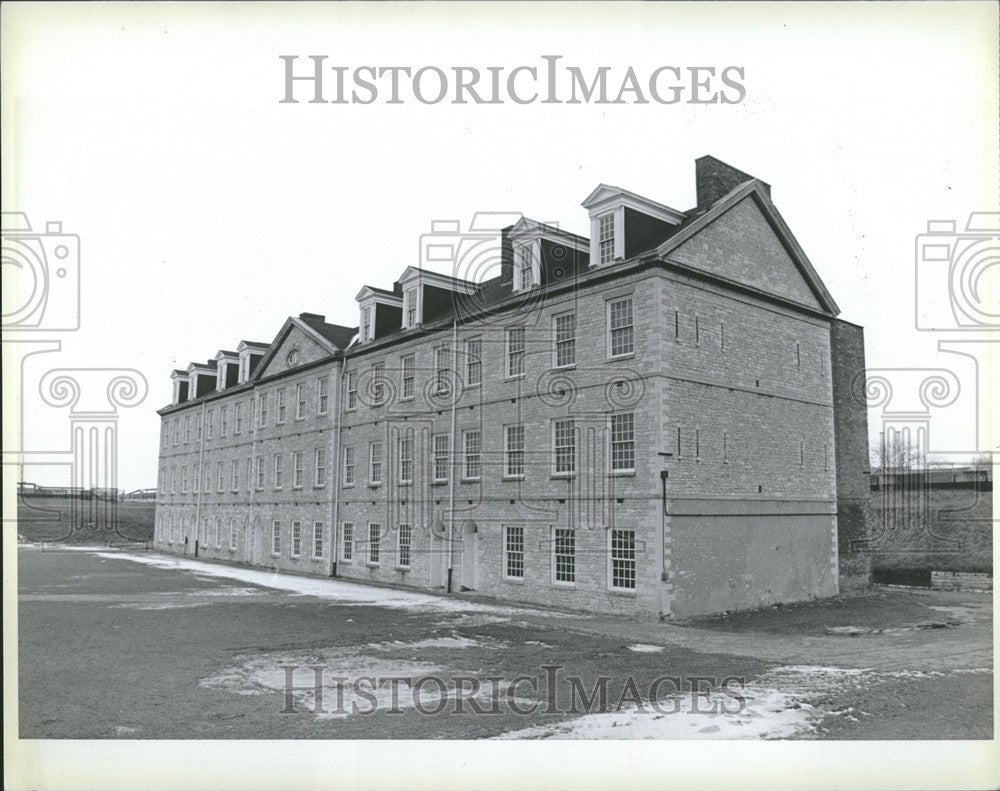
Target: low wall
x: 961, y: 581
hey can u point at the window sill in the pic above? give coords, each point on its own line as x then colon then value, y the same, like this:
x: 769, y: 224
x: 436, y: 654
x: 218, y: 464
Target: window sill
x: 472, y: 480
x: 275, y: 554
x: 512, y: 478
x: 371, y: 565
x: 347, y: 486
x: 627, y: 592
x: 564, y: 585
x: 620, y: 357
x: 346, y: 562
x: 567, y: 367
x: 439, y: 483
x: 374, y: 485
x: 402, y: 568
x: 514, y: 580
x: 562, y: 475
x: 315, y: 559
x: 294, y: 557
x: 406, y: 483
x: 514, y: 378
x: 621, y: 474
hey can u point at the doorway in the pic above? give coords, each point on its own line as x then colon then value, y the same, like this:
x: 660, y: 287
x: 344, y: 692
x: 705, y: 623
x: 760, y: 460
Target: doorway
x: 469, y: 578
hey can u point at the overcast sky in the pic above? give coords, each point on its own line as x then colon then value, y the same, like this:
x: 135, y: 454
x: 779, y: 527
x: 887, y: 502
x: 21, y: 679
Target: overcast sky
x: 208, y: 211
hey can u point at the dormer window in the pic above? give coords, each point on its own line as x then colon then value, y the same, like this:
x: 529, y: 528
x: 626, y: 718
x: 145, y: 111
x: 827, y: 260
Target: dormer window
x: 606, y: 238
x: 411, y: 307
x: 367, y: 323
x: 525, y: 268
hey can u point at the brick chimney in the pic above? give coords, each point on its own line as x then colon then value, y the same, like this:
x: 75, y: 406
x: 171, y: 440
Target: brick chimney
x: 714, y: 179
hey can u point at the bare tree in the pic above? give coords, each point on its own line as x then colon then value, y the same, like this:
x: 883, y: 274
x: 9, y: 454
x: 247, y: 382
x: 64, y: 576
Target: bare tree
x: 894, y: 452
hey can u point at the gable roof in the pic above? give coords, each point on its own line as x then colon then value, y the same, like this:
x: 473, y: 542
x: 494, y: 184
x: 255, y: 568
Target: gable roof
x: 757, y: 191
x: 331, y: 337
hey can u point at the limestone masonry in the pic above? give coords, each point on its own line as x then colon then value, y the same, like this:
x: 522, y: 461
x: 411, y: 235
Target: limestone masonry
x: 657, y: 420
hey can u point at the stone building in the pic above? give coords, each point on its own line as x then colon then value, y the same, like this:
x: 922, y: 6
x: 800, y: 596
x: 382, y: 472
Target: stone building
x: 657, y: 420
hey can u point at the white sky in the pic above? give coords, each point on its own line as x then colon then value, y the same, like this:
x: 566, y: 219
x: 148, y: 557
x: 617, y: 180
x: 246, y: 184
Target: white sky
x: 208, y: 212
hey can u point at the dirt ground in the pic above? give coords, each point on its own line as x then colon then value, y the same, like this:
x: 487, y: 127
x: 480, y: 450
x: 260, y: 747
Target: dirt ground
x: 140, y: 646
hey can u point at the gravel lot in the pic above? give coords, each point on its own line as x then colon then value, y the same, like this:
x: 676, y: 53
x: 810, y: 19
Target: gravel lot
x: 141, y: 646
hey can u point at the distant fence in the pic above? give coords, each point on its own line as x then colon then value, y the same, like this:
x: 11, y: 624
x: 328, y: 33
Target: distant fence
x: 932, y: 478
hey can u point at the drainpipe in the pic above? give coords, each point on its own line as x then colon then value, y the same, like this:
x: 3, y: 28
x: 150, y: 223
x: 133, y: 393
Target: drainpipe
x: 664, y: 519
x: 454, y: 460
x: 251, y: 539
x: 338, y: 462
x: 201, y: 477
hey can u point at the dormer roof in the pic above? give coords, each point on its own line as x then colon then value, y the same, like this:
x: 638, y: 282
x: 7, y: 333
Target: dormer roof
x: 606, y: 196
x: 379, y: 295
x: 253, y: 347
x: 526, y: 229
x: 413, y: 274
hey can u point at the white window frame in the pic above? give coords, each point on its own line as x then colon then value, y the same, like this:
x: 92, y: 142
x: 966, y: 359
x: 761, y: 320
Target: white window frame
x: 508, y: 450
x: 406, y: 463
x: 300, y: 401
x: 260, y: 474
x: 556, y: 555
x: 407, y: 377
x: 351, y: 386
x: 510, y: 369
x: 295, y: 550
x: 322, y: 396
x: 275, y: 538
x: 467, y: 456
x: 232, y: 534
x: 474, y: 361
x: 373, y: 461
x: 618, y: 416
x: 442, y: 384
x: 374, y: 553
x: 238, y: 417
x: 610, y: 330
x: 234, y: 475
x: 319, y: 465
x: 298, y: 469
x: 279, y: 406
x: 347, y: 542
x: 318, y: 542
x: 349, y: 466
x: 509, y: 553
x: 605, y: 236
x: 439, y: 454
x: 223, y: 420
x: 367, y: 328
x: 220, y: 478
x: 556, y: 472
x: 378, y: 384
x: 404, y: 541
x: 569, y: 342
x: 218, y: 532
x: 611, y: 561
x: 279, y: 471
x: 411, y: 307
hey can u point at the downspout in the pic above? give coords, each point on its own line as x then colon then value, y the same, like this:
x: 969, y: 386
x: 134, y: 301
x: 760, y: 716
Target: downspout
x: 454, y: 460
x: 251, y: 483
x: 338, y: 462
x: 201, y: 476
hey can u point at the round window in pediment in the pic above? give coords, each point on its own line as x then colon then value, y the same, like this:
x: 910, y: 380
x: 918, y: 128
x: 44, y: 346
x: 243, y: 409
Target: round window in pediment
x: 293, y: 357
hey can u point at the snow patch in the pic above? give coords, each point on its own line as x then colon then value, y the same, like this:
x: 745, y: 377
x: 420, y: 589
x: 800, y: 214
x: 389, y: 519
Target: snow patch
x: 643, y: 648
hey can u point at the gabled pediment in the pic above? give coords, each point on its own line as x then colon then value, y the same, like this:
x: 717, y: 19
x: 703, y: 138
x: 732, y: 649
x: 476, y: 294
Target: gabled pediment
x: 295, y: 345
x: 744, y: 239
x: 606, y: 198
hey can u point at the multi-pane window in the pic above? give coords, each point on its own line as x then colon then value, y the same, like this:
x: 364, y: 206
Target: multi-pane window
x: 374, y: 543
x: 564, y: 328
x: 442, y: 359
x: 218, y: 532
x: 204, y: 537
x: 210, y: 433
x: 206, y: 484
x: 623, y: 442
x: 232, y: 533
x: 348, y: 466
x: 403, y: 549
x: 406, y: 459
x: 367, y: 328
x: 513, y: 451
x: 322, y: 395
x: 259, y: 472
x: 623, y: 559
x: 250, y: 474
x: 220, y: 478
x: 223, y: 420
x: 620, y: 330
x: 474, y: 362
x: 352, y: 391
x: 300, y: 401
x: 279, y: 405
x: 513, y: 552
x: 297, y: 469
x: 375, y: 463
x: 296, y: 539
x: 201, y: 426
x: 347, y: 542
x: 237, y: 418
x: 472, y: 452
x: 515, y: 351
x: 275, y: 537
x: 407, y: 368
x: 184, y: 479
x: 524, y: 268
x: 606, y: 238
x: 173, y: 480
x: 564, y: 447
x: 440, y: 457
x: 279, y: 470
x: 262, y: 405
x: 564, y: 555
x: 320, y: 465
x: 317, y: 540
x: 378, y: 384
x: 410, y: 307
x: 234, y: 475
